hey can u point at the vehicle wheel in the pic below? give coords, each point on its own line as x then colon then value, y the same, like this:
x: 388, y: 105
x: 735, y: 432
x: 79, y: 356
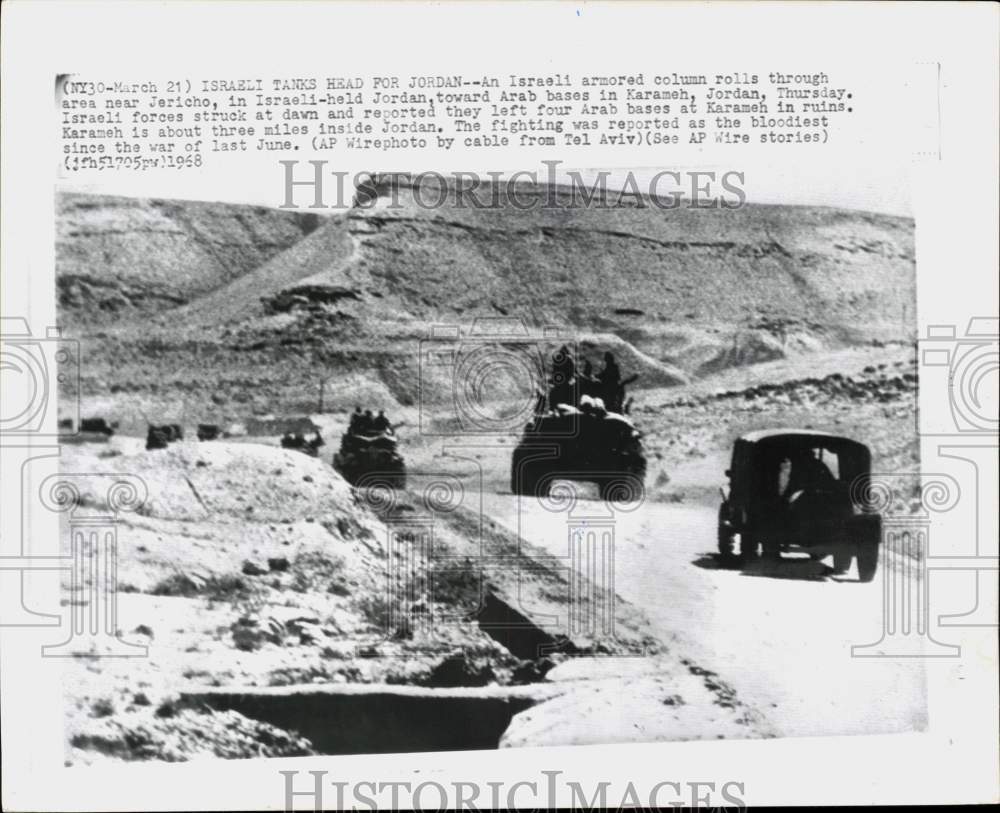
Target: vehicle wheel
x: 727, y: 541
x: 842, y: 559
x: 867, y: 562
x: 749, y: 546
x: 726, y: 536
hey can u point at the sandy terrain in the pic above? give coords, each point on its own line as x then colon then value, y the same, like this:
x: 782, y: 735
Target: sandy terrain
x: 271, y: 595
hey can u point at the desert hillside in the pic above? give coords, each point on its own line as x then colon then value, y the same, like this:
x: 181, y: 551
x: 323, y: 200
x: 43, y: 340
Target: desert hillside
x: 120, y: 258
x: 176, y: 299
x: 274, y: 598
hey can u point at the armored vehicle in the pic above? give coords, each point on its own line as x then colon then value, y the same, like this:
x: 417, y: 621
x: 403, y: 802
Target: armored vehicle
x: 97, y: 426
x: 158, y: 437
x: 370, y: 459
x: 90, y: 430
x: 796, y: 489
x: 296, y: 441
x: 208, y: 431
x: 570, y: 443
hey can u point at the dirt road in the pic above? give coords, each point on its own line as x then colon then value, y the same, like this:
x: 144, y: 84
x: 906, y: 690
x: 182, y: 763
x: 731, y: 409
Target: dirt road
x: 780, y: 633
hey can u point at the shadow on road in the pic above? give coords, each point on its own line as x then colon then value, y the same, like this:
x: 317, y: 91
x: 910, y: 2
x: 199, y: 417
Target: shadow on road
x: 801, y: 569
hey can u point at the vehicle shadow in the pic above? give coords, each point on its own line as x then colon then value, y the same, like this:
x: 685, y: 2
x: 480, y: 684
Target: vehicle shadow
x: 801, y: 568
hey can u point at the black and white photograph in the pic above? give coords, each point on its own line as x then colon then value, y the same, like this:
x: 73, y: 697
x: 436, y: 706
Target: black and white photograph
x: 597, y: 408
x: 465, y: 477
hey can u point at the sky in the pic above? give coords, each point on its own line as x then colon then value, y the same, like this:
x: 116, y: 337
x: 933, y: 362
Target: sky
x: 882, y: 188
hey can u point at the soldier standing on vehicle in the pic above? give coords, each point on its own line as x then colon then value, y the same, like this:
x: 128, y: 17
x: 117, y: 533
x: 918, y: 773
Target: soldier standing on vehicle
x: 356, y: 417
x: 381, y: 422
x: 610, y: 378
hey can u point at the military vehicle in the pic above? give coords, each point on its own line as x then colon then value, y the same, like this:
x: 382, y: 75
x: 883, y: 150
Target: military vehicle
x: 585, y: 443
x: 90, y: 430
x: 208, y: 431
x: 797, y: 489
x: 158, y: 437
x: 370, y: 459
x: 296, y: 441
x: 97, y: 426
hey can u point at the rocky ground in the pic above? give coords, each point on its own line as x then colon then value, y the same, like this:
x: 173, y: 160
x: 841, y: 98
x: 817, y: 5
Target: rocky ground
x: 254, y: 566
x: 254, y: 571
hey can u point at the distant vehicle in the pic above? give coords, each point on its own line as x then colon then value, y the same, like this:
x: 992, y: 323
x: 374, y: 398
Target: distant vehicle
x: 98, y: 426
x: 298, y: 442
x: 90, y: 430
x: 158, y: 437
x: 208, y: 431
x: 371, y: 459
x: 570, y: 443
x: 791, y: 489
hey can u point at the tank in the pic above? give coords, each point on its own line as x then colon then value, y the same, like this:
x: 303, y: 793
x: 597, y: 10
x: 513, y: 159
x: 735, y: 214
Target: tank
x: 568, y: 443
x: 297, y: 442
x: 365, y: 460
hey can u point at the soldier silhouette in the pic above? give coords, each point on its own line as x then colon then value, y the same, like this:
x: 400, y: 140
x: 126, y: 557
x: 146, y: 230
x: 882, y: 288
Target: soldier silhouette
x: 356, y: 417
x: 610, y: 379
x: 381, y: 422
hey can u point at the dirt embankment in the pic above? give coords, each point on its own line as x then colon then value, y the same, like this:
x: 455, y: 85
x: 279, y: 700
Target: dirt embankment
x: 252, y: 573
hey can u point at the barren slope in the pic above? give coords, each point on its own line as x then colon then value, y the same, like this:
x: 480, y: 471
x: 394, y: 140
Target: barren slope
x: 121, y: 257
x: 678, y: 294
